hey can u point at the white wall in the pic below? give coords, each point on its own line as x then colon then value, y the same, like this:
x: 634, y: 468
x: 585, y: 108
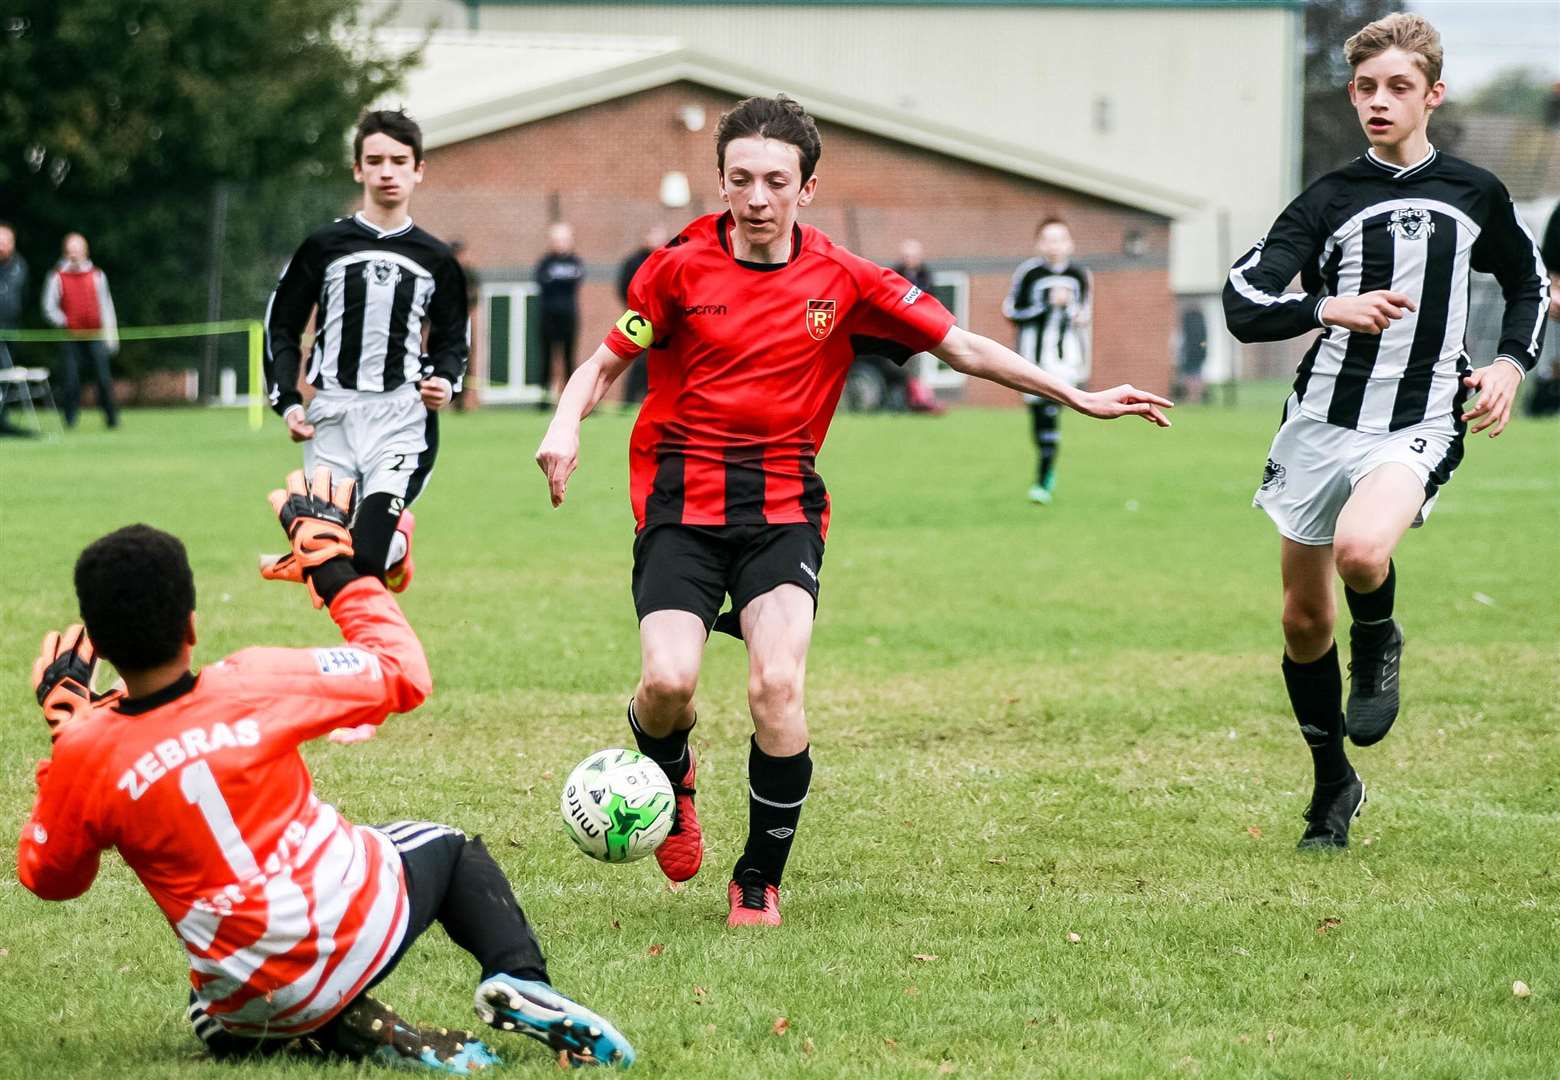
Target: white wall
x: 1199, y: 101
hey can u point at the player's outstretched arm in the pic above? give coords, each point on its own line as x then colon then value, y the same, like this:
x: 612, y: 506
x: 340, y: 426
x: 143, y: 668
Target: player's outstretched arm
x: 559, y: 453
x: 986, y: 359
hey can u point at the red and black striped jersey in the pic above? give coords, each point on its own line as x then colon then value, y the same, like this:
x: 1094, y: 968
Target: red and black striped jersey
x: 746, y: 365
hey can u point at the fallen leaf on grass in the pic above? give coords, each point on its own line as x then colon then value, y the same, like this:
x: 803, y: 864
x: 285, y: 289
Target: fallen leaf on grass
x: 892, y: 1044
x: 911, y: 991
x: 699, y: 991
x: 808, y: 1046
x: 1329, y: 923
x: 547, y: 774
x: 946, y: 1068
x: 616, y: 925
x: 657, y: 950
x: 1254, y: 832
x: 925, y: 958
x: 1074, y: 939
x: 782, y: 1025
x: 4, y: 953
x: 998, y: 860
x: 1520, y: 989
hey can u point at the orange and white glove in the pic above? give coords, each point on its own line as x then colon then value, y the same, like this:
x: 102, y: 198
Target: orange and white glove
x: 314, y: 516
x: 62, y: 677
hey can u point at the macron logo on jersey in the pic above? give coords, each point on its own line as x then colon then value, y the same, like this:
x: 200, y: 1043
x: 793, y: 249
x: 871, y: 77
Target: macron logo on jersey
x: 912, y: 296
x: 346, y: 662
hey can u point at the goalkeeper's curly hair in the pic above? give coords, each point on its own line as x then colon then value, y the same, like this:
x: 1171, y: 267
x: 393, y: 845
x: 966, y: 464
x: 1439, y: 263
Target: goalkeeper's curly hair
x: 136, y: 593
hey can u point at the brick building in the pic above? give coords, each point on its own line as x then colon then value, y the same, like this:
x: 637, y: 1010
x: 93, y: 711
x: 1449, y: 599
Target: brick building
x: 629, y: 142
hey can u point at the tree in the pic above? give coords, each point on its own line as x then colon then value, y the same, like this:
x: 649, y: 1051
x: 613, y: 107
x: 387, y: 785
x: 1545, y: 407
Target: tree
x: 1514, y: 91
x: 1330, y: 131
x: 122, y: 118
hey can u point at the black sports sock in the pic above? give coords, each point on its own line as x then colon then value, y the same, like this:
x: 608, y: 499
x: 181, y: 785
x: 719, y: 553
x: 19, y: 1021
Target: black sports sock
x: 668, y: 751
x: 777, y: 787
x: 1373, y: 609
x: 1315, y: 693
x: 372, y: 530
x: 1047, y: 463
x: 482, y: 916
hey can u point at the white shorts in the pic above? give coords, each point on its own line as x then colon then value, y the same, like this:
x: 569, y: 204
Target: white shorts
x: 384, y: 441
x: 1313, y: 466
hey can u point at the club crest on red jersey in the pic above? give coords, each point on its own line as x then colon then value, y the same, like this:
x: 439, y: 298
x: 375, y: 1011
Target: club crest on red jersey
x: 820, y: 318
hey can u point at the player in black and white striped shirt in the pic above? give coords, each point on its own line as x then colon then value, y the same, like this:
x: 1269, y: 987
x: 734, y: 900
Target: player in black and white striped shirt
x: 390, y: 344
x: 1051, y: 302
x: 1375, y: 426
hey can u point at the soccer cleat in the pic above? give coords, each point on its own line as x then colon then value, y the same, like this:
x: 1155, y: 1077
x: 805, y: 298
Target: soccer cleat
x: 1373, y: 684
x: 754, y: 902
x: 1333, y: 808
x: 370, y: 1029
x: 1039, y: 494
x: 682, y: 852
x: 536, y: 1009
x: 399, y: 575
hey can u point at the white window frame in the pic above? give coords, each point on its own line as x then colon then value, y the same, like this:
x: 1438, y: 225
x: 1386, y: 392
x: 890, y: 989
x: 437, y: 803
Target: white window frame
x: 511, y: 392
x: 938, y: 375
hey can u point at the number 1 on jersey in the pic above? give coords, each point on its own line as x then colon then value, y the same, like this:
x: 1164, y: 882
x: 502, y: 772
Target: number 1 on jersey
x: 200, y: 789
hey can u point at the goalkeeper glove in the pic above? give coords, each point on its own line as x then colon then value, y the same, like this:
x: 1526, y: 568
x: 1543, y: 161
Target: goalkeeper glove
x: 62, y: 677
x: 314, y: 516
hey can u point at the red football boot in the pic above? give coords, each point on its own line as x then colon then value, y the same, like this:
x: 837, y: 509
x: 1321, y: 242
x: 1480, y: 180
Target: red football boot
x: 399, y: 576
x: 682, y: 852
x: 754, y: 902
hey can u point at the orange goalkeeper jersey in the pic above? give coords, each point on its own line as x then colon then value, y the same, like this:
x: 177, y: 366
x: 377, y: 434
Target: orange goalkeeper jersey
x: 286, y: 909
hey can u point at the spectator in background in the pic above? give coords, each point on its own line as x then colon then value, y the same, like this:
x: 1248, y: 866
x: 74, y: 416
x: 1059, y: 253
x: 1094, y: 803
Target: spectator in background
x: 1194, y: 354
x: 638, y: 383
x: 559, y: 273
x: 466, y: 397
x: 918, y: 396
x: 912, y: 265
x: 1544, y: 400
x: 13, y: 285
x: 75, y: 296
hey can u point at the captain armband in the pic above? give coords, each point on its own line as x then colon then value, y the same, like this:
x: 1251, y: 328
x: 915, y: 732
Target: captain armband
x: 636, y: 328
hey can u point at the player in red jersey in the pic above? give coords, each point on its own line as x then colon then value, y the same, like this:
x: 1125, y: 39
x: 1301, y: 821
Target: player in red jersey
x: 751, y: 322
x: 288, y: 912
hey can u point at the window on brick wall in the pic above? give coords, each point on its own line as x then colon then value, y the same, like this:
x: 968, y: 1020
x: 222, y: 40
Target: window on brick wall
x: 952, y: 288
x: 511, y: 367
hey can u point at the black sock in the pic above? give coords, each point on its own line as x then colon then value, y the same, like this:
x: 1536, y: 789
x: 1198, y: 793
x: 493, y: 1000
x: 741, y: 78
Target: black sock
x: 1047, y: 463
x: 1315, y: 693
x: 777, y: 787
x: 482, y: 916
x: 372, y: 530
x: 1373, y: 609
x: 668, y: 751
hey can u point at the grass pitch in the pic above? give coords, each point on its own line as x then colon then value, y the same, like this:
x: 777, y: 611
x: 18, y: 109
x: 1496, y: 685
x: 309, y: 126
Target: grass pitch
x: 1058, y: 786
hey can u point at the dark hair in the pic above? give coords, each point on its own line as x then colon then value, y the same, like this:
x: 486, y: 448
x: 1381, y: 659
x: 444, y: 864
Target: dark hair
x: 136, y: 593
x: 1051, y: 219
x: 392, y: 122
x: 781, y: 118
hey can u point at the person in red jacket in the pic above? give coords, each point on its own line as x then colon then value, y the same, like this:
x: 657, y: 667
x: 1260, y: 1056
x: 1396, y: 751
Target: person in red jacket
x: 288, y: 912
x: 76, y: 297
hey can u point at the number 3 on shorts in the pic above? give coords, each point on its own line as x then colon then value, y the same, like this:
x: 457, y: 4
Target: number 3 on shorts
x: 1418, y: 445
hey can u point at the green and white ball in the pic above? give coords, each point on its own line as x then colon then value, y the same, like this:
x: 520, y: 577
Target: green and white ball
x: 617, y: 805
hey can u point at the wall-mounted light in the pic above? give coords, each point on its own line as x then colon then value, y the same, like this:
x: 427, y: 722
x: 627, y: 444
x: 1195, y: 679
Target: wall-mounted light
x: 692, y: 117
x: 674, y: 190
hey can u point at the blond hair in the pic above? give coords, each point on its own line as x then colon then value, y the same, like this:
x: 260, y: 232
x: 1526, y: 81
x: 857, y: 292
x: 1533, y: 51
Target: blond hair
x: 1411, y: 33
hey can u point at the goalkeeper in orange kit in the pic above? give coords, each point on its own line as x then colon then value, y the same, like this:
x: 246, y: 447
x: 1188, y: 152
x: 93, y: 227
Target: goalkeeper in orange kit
x: 288, y: 912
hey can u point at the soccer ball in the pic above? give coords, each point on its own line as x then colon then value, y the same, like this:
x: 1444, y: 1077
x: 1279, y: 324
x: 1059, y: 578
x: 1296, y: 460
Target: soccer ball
x: 617, y: 805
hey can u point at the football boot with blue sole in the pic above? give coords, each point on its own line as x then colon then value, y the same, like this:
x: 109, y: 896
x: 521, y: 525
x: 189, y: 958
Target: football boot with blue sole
x: 536, y: 1009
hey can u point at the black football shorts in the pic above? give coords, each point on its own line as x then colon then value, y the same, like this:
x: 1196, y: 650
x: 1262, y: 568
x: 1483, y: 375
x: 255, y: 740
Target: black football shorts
x: 695, y: 567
